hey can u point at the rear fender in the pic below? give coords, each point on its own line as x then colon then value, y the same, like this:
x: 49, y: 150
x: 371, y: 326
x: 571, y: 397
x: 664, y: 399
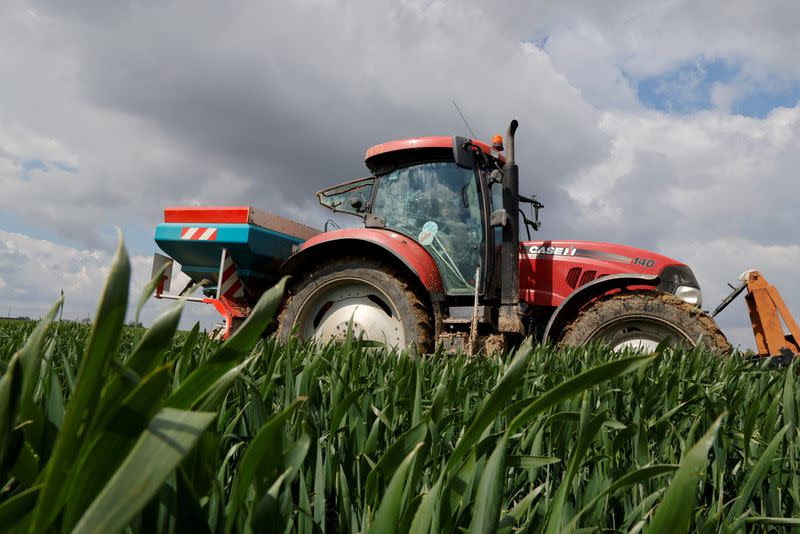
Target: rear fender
x: 569, y: 308
x: 397, y: 249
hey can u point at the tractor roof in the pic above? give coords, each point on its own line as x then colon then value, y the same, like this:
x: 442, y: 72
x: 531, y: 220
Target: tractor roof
x: 421, y: 144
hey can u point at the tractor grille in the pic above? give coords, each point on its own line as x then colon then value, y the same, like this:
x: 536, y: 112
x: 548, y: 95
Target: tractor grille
x: 575, y: 278
x: 572, y: 277
x: 588, y: 276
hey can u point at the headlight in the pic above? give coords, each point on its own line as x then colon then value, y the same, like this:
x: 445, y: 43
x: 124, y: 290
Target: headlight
x: 690, y: 294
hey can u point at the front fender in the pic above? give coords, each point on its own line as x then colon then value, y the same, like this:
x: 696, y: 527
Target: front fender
x: 393, y: 246
x: 568, y: 309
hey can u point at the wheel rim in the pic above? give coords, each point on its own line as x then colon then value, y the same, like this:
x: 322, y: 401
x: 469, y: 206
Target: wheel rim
x: 640, y: 334
x: 326, y: 313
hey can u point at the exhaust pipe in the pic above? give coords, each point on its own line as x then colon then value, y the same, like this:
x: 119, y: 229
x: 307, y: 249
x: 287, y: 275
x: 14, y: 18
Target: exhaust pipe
x: 509, y: 321
x: 512, y: 129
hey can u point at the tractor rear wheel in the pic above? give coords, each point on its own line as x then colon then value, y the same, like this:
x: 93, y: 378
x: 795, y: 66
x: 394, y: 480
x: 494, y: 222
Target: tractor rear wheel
x: 641, y: 320
x: 382, y: 304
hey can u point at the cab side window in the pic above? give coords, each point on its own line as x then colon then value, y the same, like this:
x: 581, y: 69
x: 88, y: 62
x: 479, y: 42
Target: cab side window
x: 351, y: 197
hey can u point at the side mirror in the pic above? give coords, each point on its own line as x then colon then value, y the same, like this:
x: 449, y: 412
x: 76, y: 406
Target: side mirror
x: 462, y: 154
x: 357, y: 202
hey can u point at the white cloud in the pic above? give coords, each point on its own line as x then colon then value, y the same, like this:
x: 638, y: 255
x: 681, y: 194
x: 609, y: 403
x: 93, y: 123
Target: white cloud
x: 35, y: 271
x: 722, y: 261
x: 591, y: 63
x: 229, y: 113
x: 723, y: 96
x: 649, y: 38
x: 264, y: 103
x: 709, y: 175
x: 19, y: 144
x: 712, y: 190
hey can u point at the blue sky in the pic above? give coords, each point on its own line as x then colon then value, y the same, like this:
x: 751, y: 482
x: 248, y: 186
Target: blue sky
x: 688, y: 89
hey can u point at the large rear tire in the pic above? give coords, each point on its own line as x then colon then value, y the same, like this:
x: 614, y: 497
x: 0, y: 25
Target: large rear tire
x: 383, y: 305
x: 641, y: 320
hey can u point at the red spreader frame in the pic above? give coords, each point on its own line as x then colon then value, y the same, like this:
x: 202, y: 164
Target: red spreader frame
x: 228, y: 300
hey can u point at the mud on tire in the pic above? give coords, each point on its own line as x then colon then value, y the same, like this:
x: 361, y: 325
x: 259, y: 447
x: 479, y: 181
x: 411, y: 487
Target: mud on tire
x: 648, y: 315
x: 382, y: 289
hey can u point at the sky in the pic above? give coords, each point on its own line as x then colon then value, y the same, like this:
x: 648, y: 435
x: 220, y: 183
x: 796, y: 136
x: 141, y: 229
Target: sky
x: 667, y: 125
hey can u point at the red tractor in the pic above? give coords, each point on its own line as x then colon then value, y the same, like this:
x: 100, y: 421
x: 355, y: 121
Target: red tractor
x: 438, y: 262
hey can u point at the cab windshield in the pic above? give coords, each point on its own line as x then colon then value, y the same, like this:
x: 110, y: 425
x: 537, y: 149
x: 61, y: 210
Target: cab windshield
x: 438, y: 205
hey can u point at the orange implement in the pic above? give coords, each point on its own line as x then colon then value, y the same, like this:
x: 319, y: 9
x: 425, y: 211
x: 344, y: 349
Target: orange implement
x: 766, y: 309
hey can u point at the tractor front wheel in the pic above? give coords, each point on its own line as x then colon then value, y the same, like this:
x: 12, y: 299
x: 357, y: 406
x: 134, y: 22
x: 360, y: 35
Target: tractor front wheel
x: 640, y: 320
x: 383, y: 306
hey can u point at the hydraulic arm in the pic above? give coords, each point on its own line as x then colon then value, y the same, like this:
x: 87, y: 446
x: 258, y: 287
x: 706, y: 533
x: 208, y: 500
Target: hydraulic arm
x: 767, y: 308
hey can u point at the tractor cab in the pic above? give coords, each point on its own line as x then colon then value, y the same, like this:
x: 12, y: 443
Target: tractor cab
x: 431, y: 193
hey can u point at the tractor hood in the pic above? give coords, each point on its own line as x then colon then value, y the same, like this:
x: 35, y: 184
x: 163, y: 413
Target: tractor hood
x: 551, y: 270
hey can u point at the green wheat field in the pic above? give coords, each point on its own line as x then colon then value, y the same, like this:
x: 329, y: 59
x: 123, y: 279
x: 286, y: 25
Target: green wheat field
x: 105, y: 428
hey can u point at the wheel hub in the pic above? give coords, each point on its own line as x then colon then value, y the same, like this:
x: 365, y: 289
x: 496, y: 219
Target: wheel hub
x: 327, y: 313
x: 640, y: 334
x: 640, y: 344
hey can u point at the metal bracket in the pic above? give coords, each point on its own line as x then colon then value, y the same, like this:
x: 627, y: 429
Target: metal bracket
x: 373, y: 221
x: 159, y: 261
x: 730, y: 298
x: 499, y: 218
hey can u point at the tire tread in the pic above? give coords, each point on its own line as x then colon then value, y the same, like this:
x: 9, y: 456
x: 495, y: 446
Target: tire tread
x: 649, y: 301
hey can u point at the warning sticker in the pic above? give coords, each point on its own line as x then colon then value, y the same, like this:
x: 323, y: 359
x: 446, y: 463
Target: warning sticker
x: 429, y: 230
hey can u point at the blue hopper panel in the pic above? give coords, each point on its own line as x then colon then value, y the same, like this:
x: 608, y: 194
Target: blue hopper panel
x: 257, y: 252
